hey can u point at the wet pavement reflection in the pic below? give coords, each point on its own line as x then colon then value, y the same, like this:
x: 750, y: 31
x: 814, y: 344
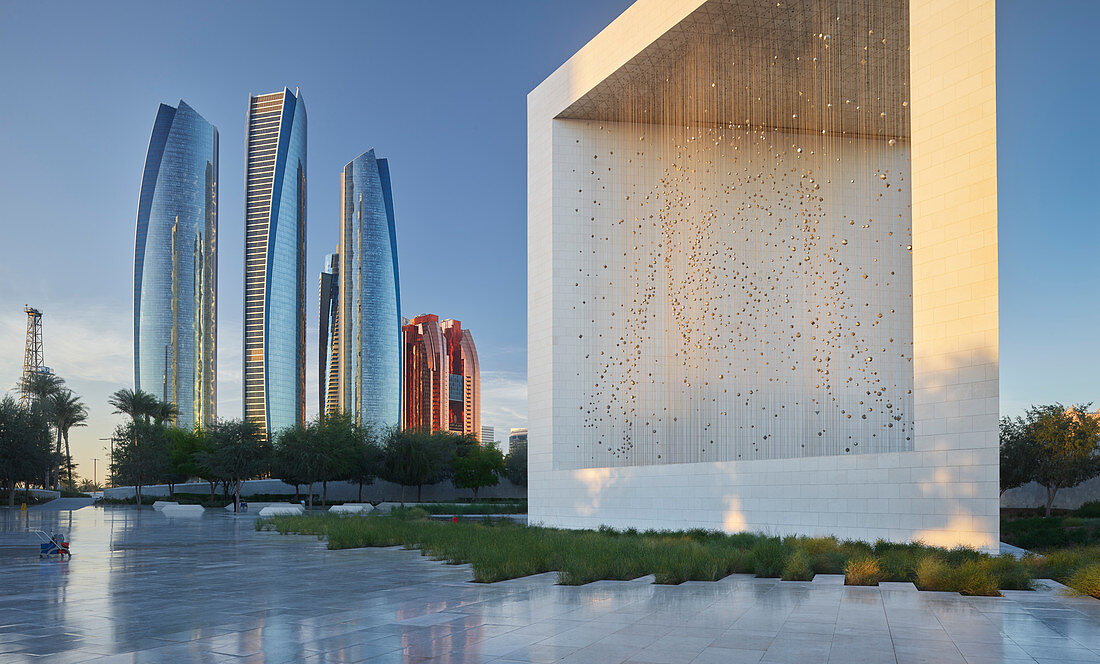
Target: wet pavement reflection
x: 143, y: 588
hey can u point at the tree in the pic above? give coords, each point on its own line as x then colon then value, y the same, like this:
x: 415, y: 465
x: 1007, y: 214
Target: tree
x: 138, y: 404
x: 68, y: 411
x: 87, y: 486
x: 1068, y: 444
x: 141, y: 455
x: 366, y: 460
x: 238, y: 451
x: 337, y: 437
x: 411, y: 458
x: 481, y: 466
x: 164, y: 412
x: 1019, y: 453
x: 42, y: 384
x: 184, y: 456
x: 292, y: 460
x: 24, y: 445
x: 515, y: 464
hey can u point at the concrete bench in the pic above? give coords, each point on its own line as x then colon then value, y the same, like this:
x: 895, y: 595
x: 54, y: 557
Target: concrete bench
x: 351, y: 508
x: 161, y: 504
x: 182, y: 510
x: 282, y: 510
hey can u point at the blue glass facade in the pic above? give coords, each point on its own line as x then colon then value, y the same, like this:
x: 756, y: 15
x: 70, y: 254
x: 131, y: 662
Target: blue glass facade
x: 369, y: 293
x: 175, y: 266
x: 275, y: 251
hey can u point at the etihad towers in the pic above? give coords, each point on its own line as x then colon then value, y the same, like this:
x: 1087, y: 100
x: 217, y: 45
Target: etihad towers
x: 176, y: 266
x: 363, y: 377
x: 275, y: 255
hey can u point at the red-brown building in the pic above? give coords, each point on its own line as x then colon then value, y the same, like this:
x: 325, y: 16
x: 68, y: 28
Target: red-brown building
x: 441, y: 380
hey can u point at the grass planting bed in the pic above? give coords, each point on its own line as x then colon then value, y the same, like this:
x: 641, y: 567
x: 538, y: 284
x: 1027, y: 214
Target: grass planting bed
x: 458, y: 509
x: 499, y: 550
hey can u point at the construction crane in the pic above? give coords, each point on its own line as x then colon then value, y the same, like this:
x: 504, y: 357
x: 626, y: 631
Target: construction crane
x: 33, y: 357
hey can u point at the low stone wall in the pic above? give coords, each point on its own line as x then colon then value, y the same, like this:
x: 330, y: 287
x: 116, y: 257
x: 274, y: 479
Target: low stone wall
x: 1034, y: 495
x: 337, y: 491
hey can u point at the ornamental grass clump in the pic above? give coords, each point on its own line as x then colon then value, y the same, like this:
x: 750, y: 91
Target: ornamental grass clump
x: 1010, y: 572
x: 769, y: 557
x: 799, y: 567
x: 973, y: 577
x: 931, y: 574
x: 897, y: 564
x: 862, y: 571
x: 827, y: 554
x: 1086, y: 581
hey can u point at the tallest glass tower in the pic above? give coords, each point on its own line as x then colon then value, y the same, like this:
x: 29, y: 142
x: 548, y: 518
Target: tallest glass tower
x: 275, y: 254
x: 176, y: 266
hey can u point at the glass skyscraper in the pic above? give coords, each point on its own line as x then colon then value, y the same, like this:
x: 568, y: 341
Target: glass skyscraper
x: 275, y: 254
x: 176, y: 266
x: 369, y: 340
x: 328, y: 338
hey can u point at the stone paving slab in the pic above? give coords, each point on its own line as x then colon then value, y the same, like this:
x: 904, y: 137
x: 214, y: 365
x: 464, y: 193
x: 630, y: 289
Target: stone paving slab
x: 143, y: 588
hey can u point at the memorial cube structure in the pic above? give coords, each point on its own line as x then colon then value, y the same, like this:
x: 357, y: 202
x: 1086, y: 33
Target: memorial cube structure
x: 762, y: 272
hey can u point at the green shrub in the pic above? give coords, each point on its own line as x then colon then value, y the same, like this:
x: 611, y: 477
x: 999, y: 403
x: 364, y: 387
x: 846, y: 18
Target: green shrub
x: 769, y: 557
x: 897, y: 564
x: 410, y: 513
x: 862, y: 571
x: 1010, y: 573
x: 738, y: 561
x: 686, y: 561
x: 1090, y: 510
x: 826, y: 554
x: 1086, y: 580
x: 799, y: 567
x: 829, y: 562
x: 1041, y: 534
x: 480, y: 507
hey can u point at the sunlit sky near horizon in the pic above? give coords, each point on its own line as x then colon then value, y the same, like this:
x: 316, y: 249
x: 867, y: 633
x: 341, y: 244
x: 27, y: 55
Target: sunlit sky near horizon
x: 440, y: 90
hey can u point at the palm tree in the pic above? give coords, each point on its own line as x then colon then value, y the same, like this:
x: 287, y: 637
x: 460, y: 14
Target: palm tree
x: 67, y: 411
x: 165, y: 412
x: 41, y: 385
x: 138, y: 404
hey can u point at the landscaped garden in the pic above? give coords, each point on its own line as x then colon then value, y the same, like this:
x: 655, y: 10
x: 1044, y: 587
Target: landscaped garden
x: 500, y: 550
x: 1029, y: 530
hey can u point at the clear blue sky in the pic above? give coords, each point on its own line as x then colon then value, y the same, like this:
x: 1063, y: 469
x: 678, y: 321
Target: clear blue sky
x: 440, y: 89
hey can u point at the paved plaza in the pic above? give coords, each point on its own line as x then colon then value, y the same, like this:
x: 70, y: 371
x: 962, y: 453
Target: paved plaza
x: 141, y: 588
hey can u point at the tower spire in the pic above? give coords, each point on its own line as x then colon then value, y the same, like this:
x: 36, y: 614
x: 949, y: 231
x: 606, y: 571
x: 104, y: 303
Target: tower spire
x: 33, y: 356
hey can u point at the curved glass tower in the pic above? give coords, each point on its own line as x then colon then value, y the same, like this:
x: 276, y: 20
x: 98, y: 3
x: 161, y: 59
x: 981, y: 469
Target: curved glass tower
x: 176, y: 266
x: 275, y: 254
x: 369, y: 293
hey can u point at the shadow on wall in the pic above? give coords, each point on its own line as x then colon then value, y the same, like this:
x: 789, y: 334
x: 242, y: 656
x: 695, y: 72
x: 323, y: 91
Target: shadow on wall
x: 944, y: 492
x: 957, y: 411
